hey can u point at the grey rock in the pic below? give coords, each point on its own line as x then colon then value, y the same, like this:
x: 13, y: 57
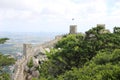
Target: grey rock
x: 32, y: 69
x: 35, y: 73
x: 29, y: 77
x: 26, y: 68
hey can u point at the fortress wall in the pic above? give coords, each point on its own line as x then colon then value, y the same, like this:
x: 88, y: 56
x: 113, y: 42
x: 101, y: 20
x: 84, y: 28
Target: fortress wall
x: 20, y: 64
x: 28, y: 52
x: 51, y: 43
x: 19, y: 69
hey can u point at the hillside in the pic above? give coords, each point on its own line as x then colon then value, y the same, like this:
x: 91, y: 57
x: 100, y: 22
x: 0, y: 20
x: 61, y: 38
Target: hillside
x: 94, y: 55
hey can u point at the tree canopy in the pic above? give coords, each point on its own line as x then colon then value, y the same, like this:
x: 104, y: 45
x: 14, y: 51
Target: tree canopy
x: 5, y: 60
x: 94, y: 55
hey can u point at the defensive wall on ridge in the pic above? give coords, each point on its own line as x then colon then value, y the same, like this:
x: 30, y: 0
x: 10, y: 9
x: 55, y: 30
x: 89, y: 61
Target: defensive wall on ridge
x: 28, y: 52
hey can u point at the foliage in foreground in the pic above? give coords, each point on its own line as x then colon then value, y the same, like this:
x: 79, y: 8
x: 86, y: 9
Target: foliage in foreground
x: 104, y: 66
x: 93, y: 56
x: 30, y: 63
x: 5, y: 60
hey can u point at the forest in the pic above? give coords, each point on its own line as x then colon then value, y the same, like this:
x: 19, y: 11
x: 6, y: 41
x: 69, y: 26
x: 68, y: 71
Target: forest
x: 94, y: 55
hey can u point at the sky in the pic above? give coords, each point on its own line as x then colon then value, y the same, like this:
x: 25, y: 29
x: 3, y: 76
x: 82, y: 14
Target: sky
x: 56, y: 15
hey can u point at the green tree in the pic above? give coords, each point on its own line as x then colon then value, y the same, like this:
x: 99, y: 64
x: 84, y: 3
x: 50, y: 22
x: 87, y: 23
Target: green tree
x: 67, y: 56
x: 30, y: 63
x: 5, y: 76
x: 5, y: 61
x: 3, y: 40
x: 104, y: 66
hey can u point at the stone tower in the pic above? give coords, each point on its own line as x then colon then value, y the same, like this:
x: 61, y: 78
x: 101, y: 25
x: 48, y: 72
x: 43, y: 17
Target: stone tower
x: 27, y: 50
x: 73, y: 29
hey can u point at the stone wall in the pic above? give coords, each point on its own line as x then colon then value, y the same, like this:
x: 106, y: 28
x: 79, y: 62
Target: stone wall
x: 29, y: 52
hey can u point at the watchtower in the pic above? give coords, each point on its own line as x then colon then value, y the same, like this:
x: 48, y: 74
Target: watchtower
x: 73, y: 29
x: 27, y: 48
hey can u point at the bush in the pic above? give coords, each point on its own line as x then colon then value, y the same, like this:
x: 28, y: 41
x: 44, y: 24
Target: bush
x: 102, y: 58
x: 30, y: 63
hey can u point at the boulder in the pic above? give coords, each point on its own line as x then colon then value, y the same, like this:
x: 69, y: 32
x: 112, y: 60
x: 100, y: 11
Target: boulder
x: 29, y: 77
x: 26, y: 68
x: 35, y: 73
x: 32, y: 69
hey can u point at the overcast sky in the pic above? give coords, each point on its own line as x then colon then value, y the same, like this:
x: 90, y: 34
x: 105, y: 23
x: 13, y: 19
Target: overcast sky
x: 56, y: 15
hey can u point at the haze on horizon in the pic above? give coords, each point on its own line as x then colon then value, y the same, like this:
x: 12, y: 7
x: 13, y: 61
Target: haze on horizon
x: 56, y: 15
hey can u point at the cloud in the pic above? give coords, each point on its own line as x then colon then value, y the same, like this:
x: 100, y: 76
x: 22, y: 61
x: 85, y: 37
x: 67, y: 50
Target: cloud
x: 58, y: 12
x: 65, y: 8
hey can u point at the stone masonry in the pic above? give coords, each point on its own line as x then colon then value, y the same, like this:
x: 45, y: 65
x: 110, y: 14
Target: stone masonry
x: 28, y: 52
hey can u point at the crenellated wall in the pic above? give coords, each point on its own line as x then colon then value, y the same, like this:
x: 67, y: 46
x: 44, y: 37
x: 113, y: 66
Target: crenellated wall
x: 28, y: 52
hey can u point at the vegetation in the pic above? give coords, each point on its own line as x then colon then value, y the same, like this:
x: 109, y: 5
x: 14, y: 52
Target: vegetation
x: 92, y: 56
x: 5, y: 61
x: 3, y: 40
x: 30, y: 63
x: 104, y: 66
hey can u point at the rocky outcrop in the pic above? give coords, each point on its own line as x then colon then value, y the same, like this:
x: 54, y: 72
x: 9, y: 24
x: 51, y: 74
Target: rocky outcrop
x: 31, y: 72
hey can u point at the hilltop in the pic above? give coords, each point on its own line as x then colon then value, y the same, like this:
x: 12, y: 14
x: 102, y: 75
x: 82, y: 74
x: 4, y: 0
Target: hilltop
x: 74, y: 56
